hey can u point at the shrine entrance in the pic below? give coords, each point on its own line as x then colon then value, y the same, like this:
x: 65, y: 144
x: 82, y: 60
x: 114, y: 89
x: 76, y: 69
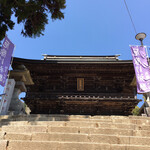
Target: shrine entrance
x: 89, y: 85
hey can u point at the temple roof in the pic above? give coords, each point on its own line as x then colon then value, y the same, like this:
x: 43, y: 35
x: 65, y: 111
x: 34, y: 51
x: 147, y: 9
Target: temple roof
x: 75, y: 59
x: 81, y: 58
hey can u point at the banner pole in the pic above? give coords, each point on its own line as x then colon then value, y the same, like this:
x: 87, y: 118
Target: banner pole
x: 12, y: 58
x: 147, y: 57
x: 3, y: 97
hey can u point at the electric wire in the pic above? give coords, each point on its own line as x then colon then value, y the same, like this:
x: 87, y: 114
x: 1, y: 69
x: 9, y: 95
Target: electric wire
x: 130, y: 16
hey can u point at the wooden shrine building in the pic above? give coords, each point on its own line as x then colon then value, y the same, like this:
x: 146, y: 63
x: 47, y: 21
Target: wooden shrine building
x: 92, y: 85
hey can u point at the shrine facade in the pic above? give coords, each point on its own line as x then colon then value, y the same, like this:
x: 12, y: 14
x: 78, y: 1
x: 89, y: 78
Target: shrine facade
x: 89, y: 85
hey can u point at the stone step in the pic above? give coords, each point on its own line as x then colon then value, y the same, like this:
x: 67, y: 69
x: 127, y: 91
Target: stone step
x: 49, y: 117
x: 38, y: 145
x: 2, y: 135
x: 59, y: 116
x: 81, y: 121
x: 138, y: 117
x: 18, y: 136
x: 110, y: 131
x: 72, y: 116
x: 88, y: 124
x: 77, y: 124
x: 45, y: 128
x: 3, y: 123
x: 94, y: 138
x: 70, y: 123
x: 3, y: 144
x: 74, y: 132
x: 73, y: 137
x: 70, y: 126
x: 82, y: 130
x: 55, y: 119
x: 132, y: 121
x: 115, y: 119
x: 24, y: 129
x: 74, y: 121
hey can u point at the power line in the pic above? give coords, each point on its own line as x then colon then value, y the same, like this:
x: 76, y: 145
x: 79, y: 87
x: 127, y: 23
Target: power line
x: 130, y: 16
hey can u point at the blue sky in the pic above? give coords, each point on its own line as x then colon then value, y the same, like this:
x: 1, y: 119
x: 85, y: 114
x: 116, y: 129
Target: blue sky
x: 90, y: 27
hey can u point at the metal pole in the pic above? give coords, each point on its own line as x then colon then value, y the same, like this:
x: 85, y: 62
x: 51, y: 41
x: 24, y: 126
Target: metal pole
x: 141, y: 40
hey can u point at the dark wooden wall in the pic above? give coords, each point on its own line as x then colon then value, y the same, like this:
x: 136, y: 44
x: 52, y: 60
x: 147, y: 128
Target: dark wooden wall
x: 107, y: 89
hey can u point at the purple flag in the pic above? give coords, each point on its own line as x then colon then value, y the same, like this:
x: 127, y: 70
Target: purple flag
x: 142, y: 69
x: 5, y: 59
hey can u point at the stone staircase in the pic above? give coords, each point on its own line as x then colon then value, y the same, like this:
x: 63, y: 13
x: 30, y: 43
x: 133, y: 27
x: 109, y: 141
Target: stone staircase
x: 74, y: 132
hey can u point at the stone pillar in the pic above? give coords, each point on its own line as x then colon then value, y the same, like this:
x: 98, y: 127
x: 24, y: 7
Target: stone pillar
x: 22, y: 77
x: 6, y: 98
x: 16, y: 105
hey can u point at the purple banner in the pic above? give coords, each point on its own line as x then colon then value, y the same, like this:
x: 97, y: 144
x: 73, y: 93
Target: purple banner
x: 142, y: 69
x: 5, y: 59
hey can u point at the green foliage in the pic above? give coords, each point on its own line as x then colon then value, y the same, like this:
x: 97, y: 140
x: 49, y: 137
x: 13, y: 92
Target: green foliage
x: 32, y: 13
x: 135, y: 111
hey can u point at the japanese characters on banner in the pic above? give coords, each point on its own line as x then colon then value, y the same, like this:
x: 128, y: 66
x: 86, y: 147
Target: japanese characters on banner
x: 6, y: 99
x: 5, y: 59
x: 141, y: 67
